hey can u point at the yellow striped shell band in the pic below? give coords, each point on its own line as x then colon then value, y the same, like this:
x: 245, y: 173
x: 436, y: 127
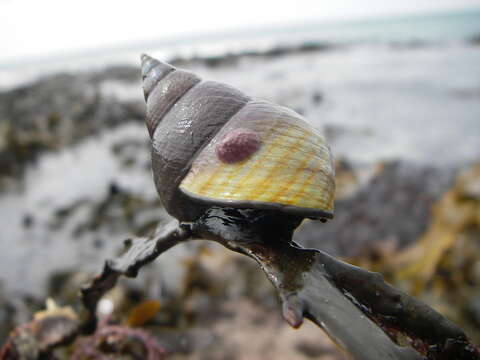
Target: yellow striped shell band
x: 265, y: 155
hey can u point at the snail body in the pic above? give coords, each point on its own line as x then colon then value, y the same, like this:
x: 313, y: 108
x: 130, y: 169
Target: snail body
x: 212, y: 145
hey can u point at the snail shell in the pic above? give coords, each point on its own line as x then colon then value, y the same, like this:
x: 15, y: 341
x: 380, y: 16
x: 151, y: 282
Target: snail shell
x: 212, y: 145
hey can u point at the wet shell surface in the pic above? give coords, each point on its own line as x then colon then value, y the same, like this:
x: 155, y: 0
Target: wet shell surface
x: 265, y: 156
x: 213, y: 145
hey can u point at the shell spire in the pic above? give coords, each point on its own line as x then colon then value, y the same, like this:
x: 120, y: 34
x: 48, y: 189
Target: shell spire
x: 153, y: 71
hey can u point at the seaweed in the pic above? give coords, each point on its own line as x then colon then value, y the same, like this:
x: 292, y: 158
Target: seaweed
x: 365, y: 316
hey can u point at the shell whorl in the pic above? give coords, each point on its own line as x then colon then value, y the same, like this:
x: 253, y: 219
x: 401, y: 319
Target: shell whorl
x: 159, y: 69
x: 183, y: 114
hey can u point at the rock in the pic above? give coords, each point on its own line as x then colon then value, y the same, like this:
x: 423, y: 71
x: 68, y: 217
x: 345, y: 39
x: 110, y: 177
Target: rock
x: 475, y: 40
x: 333, y: 132
x: 409, y: 44
x: 28, y: 220
x: 230, y: 59
x: 60, y: 110
x: 36, y: 339
x: 393, y: 207
x: 111, y: 342
x: 317, y: 97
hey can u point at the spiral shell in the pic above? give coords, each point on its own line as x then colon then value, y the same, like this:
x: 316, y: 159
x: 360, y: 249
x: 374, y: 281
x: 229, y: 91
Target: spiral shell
x: 214, y: 145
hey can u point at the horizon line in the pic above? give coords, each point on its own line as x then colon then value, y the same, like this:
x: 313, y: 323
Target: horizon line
x: 212, y: 35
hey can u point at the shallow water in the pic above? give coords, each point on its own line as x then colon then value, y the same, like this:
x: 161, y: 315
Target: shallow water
x: 74, y: 180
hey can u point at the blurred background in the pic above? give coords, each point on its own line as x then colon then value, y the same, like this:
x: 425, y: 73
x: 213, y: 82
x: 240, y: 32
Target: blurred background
x: 394, y: 86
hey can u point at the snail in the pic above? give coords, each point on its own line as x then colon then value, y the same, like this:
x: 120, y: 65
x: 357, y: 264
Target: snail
x: 215, y: 147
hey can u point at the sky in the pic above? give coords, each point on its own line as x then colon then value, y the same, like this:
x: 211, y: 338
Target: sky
x: 42, y: 27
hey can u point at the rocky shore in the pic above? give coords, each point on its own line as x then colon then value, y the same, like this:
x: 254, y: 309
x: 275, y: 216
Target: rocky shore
x: 75, y: 181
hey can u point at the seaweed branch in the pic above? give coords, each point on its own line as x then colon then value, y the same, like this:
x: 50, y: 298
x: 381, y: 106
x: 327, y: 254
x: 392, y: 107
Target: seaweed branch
x: 140, y: 251
x: 365, y: 316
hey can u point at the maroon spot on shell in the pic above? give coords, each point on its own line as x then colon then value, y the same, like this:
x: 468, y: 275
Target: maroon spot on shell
x: 237, y: 145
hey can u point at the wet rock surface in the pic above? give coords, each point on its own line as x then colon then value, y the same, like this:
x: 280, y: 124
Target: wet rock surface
x: 61, y: 110
x: 392, y: 209
x: 230, y: 59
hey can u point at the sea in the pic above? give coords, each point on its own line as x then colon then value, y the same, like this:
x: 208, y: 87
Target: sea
x: 438, y: 29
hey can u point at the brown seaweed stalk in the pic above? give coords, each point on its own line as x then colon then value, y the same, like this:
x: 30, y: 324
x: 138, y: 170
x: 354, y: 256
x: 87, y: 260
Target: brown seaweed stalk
x: 141, y: 252
x: 356, y: 308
